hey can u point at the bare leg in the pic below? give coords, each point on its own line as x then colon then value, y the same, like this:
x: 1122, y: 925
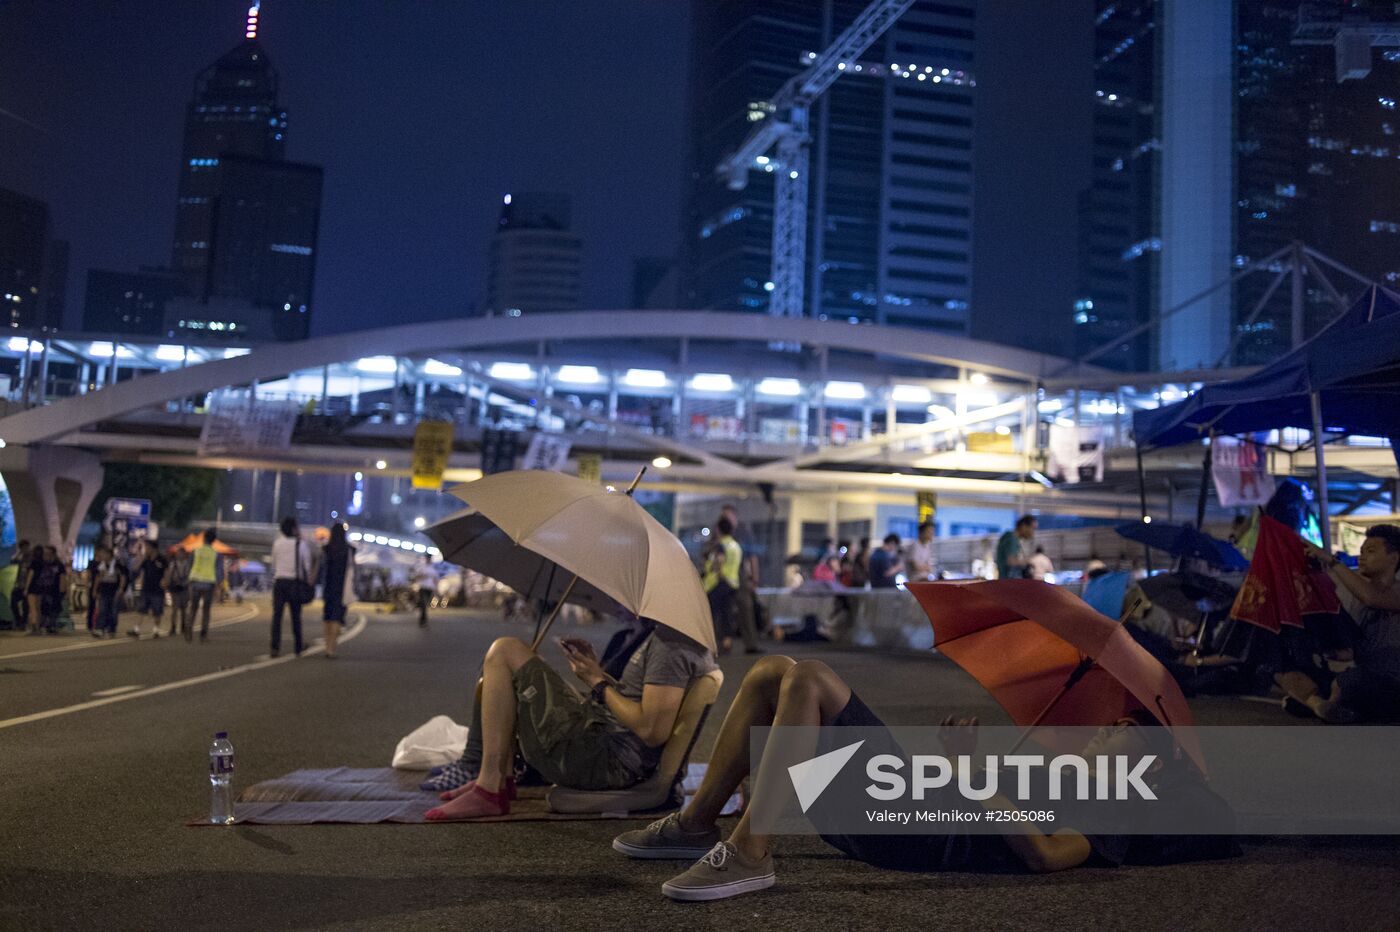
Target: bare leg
x: 729, y: 763
x: 811, y: 694
x: 497, y: 723
x: 332, y: 633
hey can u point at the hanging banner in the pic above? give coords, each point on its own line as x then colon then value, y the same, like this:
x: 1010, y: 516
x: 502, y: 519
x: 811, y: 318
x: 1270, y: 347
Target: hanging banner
x: 590, y: 467
x: 498, y: 450
x: 432, y: 446
x: 235, y: 421
x: 1076, y: 454
x: 547, y: 451
x: 928, y: 506
x: 1240, y: 471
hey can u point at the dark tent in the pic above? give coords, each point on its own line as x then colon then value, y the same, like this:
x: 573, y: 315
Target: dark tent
x: 1353, y: 365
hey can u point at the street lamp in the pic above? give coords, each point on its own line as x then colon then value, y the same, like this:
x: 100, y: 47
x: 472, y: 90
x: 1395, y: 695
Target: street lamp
x: 420, y: 522
x: 237, y: 508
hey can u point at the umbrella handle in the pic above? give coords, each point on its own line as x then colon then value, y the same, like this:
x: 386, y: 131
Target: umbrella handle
x: 1075, y: 676
x: 632, y: 488
x: 544, y: 629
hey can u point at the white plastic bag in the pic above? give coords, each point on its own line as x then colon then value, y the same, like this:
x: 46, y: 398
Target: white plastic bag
x: 436, y: 742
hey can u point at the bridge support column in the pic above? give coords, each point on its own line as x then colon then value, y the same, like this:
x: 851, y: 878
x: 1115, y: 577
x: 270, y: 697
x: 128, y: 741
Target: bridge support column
x: 50, y: 489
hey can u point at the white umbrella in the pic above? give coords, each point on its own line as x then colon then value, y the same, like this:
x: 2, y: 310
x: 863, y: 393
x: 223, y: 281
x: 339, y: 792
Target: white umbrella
x: 604, y: 538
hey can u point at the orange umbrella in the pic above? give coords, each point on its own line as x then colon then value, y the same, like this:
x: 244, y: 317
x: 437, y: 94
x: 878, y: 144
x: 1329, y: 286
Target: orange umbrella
x: 196, y: 539
x: 1048, y: 658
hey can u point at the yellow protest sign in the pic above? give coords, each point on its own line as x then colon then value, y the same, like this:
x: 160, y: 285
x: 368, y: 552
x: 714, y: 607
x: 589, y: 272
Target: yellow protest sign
x: 432, y: 445
x: 590, y: 467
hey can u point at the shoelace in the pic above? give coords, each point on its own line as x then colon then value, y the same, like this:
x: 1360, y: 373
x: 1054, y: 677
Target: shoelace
x: 660, y: 824
x: 718, y: 855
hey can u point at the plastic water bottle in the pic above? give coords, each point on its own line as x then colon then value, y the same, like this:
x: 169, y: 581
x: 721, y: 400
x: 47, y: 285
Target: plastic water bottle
x: 221, y: 780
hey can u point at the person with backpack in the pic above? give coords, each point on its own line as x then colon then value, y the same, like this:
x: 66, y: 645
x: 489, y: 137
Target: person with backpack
x: 107, y: 581
x: 177, y: 583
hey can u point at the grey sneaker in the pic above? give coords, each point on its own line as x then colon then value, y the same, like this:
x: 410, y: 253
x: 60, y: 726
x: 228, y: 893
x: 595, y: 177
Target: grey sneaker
x: 664, y: 839
x: 724, y: 872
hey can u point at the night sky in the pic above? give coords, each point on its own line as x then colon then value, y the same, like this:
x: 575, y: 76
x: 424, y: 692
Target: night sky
x: 422, y: 113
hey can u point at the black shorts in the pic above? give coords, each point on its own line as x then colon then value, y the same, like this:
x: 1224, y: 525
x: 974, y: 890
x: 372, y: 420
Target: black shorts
x: 949, y: 850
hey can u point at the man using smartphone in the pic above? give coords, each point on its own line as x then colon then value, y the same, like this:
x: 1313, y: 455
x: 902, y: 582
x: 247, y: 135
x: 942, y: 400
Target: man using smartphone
x: 609, y: 738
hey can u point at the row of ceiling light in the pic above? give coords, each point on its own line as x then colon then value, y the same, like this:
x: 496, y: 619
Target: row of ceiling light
x: 717, y: 382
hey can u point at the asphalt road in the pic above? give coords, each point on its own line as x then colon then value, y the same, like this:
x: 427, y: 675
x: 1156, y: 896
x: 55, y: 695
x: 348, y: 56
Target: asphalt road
x: 94, y: 800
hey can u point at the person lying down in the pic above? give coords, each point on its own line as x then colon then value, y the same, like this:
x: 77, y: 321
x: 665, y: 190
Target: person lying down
x: 779, y: 691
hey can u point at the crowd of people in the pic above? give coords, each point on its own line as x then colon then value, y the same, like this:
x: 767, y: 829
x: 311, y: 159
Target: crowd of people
x: 182, y: 584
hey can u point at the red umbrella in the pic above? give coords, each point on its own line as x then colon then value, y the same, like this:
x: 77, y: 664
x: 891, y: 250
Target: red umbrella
x: 1048, y: 658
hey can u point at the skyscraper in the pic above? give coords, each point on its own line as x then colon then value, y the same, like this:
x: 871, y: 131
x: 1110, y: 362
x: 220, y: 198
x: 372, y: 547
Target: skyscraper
x: 24, y: 232
x: 129, y: 303
x: 247, y: 220
x: 234, y: 111
x: 535, y: 257
x: 1119, y: 243
x: 1263, y: 146
x: 263, y: 241
x: 890, y: 201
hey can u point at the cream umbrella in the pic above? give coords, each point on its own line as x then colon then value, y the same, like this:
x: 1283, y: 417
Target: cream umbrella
x: 602, y: 537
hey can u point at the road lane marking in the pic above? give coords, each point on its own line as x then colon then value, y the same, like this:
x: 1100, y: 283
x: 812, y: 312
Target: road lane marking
x: 252, y: 611
x: 350, y: 635
x: 116, y: 690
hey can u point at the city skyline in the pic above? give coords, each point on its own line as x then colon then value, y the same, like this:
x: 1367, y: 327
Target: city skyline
x: 404, y: 235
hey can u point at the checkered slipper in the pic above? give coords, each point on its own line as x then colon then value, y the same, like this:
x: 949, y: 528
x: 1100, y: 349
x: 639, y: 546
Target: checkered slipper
x: 453, y: 775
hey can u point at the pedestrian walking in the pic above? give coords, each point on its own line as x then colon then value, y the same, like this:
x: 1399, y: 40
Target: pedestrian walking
x: 424, y: 585
x: 19, y: 598
x: 206, y: 573
x: 151, y: 601
x: 177, y: 585
x: 1014, y: 549
x: 746, y: 596
x: 338, y: 585
x: 107, y: 583
x: 292, y: 572
x: 721, y: 582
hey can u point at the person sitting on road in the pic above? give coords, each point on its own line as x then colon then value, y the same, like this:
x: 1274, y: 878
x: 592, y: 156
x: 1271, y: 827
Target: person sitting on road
x: 1370, y: 594
x: 779, y: 691
x: 608, y: 740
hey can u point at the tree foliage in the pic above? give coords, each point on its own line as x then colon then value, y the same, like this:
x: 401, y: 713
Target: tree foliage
x: 178, y: 494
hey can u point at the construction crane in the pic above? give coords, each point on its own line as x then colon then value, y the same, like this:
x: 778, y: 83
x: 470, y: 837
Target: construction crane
x: 786, y: 128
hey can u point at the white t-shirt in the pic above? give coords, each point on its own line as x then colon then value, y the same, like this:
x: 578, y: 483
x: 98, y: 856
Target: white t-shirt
x: 918, y: 558
x: 285, y: 551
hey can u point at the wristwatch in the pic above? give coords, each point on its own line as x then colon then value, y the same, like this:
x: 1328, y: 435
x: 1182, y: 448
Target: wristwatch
x: 599, y: 692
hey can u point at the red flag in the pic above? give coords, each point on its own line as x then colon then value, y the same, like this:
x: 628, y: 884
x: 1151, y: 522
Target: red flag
x: 1282, y: 586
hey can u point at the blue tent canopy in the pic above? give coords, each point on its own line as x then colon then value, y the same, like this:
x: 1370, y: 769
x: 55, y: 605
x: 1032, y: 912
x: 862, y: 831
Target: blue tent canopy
x: 1353, y: 365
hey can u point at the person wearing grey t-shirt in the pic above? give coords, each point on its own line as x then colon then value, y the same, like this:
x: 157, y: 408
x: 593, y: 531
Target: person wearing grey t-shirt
x: 609, y: 739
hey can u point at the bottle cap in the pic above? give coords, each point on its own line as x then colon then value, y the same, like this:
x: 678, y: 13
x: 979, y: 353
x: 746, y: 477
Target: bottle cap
x: 221, y: 734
